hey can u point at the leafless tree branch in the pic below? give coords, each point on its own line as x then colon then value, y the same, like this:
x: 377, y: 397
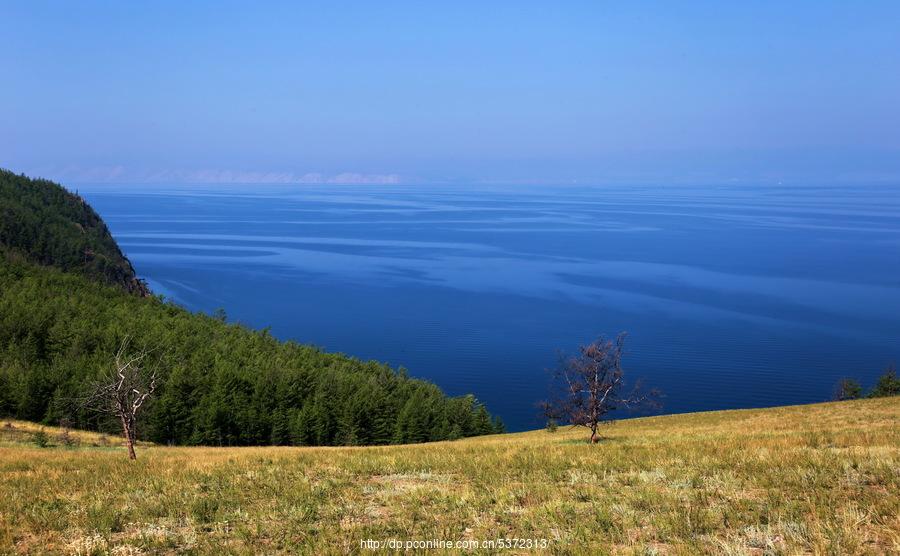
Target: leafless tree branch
x: 124, y: 388
x: 592, y: 386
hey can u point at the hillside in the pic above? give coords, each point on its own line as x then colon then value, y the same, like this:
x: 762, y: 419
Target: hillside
x: 67, y: 302
x: 223, y: 384
x: 43, y: 223
x: 821, y: 478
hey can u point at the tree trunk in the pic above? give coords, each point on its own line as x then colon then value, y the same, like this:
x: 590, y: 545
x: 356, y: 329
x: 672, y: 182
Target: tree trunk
x: 131, y: 454
x: 129, y: 438
x: 594, y: 436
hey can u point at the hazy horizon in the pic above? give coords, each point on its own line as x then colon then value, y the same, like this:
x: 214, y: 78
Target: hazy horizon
x: 578, y: 92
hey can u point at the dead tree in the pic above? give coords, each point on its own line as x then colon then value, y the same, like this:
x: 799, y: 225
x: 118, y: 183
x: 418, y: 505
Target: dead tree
x: 590, y: 386
x: 124, y: 389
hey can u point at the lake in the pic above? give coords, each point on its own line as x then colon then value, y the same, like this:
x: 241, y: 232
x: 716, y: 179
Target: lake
x: 733, y: 296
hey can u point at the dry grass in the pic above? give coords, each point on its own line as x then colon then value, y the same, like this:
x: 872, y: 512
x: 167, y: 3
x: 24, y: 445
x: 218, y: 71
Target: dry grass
x: 810, y: 479
x: 14, y: 433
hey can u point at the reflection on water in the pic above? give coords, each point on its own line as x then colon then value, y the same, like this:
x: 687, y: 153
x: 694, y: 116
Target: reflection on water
x: 733, y: 296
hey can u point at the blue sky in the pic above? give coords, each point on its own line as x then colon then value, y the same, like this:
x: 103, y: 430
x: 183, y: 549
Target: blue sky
x: 468, y: 92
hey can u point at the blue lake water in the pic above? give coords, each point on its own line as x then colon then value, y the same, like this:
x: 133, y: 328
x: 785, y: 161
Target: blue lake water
x: 732, y: 296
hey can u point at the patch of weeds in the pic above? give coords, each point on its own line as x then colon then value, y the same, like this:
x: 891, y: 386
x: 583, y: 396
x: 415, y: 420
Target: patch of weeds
x: 204, y: 509
x: 606, y: 523
x: 48, y: 513
x: 41, y: 439
x: 65, y: 439
x: 104, y: 519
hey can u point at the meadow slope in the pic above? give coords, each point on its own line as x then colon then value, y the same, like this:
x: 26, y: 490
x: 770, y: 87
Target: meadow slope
x: 820, y: 478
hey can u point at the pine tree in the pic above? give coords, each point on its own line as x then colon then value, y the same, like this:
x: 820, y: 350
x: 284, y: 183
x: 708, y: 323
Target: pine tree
x: 499, y: 426
x: 281, y: 432
x: 888, y: 384
x: 382, y: 418
x: 483, y: 423
x: 302, y: 426
x: 410, y: 423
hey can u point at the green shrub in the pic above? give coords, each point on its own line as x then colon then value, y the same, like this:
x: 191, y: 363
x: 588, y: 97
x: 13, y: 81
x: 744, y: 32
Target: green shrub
x: 40, y: 439
x: 888, y: 384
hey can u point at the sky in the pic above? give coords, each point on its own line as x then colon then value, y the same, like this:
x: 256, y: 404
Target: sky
x: 451, y: 92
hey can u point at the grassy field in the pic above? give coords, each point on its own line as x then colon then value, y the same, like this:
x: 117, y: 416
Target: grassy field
x: 807, y: 479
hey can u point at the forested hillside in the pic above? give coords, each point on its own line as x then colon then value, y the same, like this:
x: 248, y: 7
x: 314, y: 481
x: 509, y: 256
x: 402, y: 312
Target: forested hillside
x: 224, y: 383
x: 66, y: 303
x: 43, y: 223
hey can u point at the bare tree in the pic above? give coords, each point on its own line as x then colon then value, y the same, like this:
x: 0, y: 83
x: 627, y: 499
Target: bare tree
x: 124, y: 389
x: 847, y: 389
x: 591, y: 385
